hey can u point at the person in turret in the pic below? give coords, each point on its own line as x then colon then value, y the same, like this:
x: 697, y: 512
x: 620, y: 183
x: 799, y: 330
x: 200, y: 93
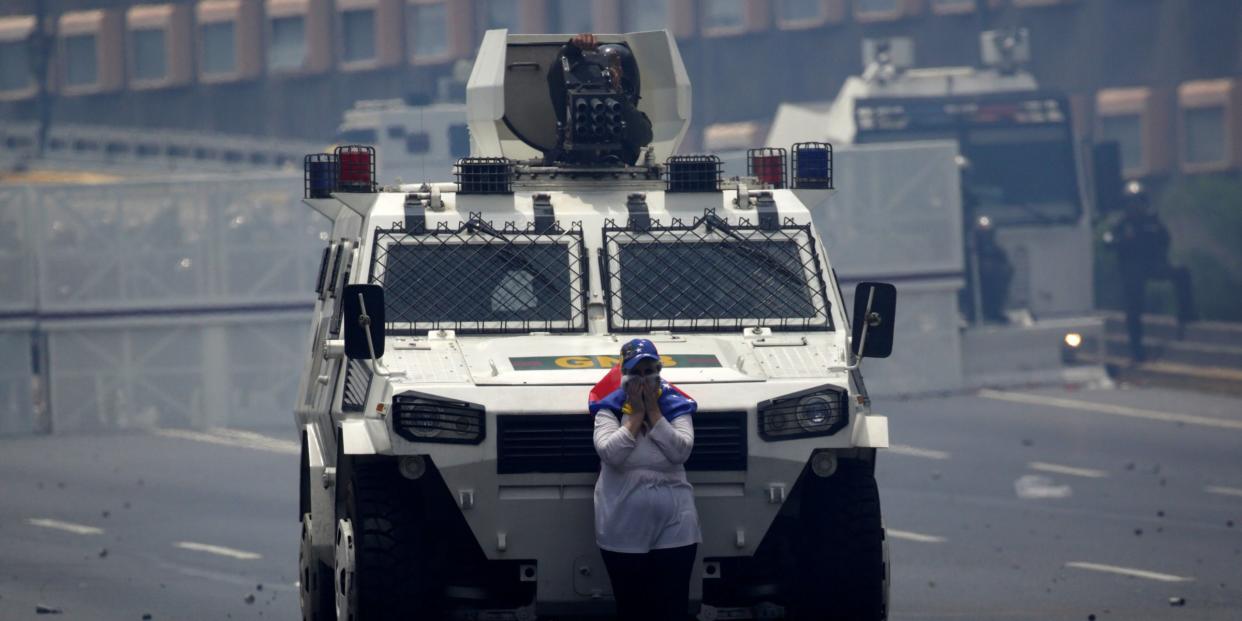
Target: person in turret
x: 602, y: 80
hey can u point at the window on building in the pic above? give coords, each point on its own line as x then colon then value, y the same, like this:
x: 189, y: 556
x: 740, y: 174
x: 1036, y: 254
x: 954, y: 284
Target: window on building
x: 14, y: 66
x: 81, y: 60
x: 952, y: 6
x: 800, y: 10
x: 358, y: 135
x: 459, y: 141
x: 724, y: 14
x: 219, y: 48
x: 420, y: 142
x: 875, y: 6
x: 1127, y: 131
x: 572, y: 16
x: 286, y: 48
x: 427, y: 30
x: 643, y: 15
x: 149, y: 48
x: 358, y: 35
x: 1205, y: 135
x: 498, y: 14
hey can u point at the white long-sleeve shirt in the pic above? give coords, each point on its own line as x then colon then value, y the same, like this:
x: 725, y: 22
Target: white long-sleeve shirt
x: 643, y: 501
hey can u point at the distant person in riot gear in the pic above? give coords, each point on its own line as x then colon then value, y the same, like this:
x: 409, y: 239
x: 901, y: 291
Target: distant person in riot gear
x: 995, y: 271
x: 1142, y: 244
x: 583, y: 60
x: 990, y: 269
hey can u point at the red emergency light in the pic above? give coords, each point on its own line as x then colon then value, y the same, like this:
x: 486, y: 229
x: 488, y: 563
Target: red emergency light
x: 355, y: 168
x: 768, y: 166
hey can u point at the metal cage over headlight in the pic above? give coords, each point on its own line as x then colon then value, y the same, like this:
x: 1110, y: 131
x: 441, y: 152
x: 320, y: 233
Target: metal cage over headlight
x: 423, y: 418
x: 815, y: 412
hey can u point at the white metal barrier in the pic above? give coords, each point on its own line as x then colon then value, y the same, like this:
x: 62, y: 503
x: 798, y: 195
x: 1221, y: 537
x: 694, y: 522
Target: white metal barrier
x: 154, y: 303
x: 110, y: 148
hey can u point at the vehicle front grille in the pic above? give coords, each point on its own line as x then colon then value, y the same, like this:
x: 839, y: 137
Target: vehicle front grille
x: 564, y: 443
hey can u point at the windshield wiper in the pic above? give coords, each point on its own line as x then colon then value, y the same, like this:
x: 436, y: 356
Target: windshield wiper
x: 793, y: 277
x: 510, y: 256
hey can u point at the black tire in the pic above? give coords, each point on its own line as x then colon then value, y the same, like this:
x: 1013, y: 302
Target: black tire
x: 315, y: 578
x: 391, y: 579
x: 842, y: 573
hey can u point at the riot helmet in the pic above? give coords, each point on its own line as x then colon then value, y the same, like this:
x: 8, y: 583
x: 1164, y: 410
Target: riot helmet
x: 1135, y: 195
x: 620, y: 57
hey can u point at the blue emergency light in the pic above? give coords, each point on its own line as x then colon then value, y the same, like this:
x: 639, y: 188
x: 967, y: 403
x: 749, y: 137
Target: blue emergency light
x: 319, y: 175
x: 812, y: 165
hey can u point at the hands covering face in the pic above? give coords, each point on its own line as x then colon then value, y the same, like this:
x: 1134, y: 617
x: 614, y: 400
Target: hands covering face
x: 638, y: 407
x: 651, y: 397
x: 642, y: 393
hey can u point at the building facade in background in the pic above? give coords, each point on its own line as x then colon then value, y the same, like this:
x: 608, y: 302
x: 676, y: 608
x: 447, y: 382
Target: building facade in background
x: 1161, y: 77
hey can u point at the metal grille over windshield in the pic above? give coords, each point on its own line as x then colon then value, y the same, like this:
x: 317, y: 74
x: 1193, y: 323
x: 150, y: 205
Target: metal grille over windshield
x: 478, y: 279
x: 711, y: 275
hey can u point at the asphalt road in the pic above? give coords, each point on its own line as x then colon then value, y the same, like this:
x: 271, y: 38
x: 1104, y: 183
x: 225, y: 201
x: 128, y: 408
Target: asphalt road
x: 1039, y: 504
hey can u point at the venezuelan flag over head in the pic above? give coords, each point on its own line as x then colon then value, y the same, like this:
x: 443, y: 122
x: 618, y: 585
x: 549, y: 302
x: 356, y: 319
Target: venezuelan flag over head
x: 607, y: 394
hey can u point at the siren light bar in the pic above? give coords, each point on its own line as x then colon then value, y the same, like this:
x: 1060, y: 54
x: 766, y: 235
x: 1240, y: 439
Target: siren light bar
x: 349, y: 168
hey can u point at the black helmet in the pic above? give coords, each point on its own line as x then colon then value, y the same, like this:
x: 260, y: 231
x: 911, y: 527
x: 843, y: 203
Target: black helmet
x: 630, y: 81
x: 1135, y: 194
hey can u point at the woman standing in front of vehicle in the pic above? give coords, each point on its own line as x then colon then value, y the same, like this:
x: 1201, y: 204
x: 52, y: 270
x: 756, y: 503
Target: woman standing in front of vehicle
x: 646, y: 524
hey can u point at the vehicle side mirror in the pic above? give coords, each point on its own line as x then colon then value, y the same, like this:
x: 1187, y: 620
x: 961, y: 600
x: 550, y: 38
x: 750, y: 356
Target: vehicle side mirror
x: 875, y: 308
x: 363, y: 313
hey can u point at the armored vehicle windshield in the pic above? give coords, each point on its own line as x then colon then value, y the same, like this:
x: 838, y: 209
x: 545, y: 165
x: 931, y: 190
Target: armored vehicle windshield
x: 478, y: 279
x: 714, y: 276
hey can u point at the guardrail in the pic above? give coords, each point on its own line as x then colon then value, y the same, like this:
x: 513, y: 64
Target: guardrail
x: 146, y: 150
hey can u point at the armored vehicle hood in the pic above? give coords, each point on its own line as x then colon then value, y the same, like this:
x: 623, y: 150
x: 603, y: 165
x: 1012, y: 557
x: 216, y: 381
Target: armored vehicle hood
x: 582, y: 360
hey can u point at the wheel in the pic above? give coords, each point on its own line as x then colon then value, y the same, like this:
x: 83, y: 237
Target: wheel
x: 315, y: 577
x: 841, y: 556
x: 381, y: 570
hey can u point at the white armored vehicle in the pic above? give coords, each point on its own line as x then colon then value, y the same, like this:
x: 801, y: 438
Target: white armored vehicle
x: 447, y: 457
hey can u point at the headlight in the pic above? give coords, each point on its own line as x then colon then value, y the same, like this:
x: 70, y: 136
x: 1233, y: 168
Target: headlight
x: 423, y: 418
x: 816, y: 412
